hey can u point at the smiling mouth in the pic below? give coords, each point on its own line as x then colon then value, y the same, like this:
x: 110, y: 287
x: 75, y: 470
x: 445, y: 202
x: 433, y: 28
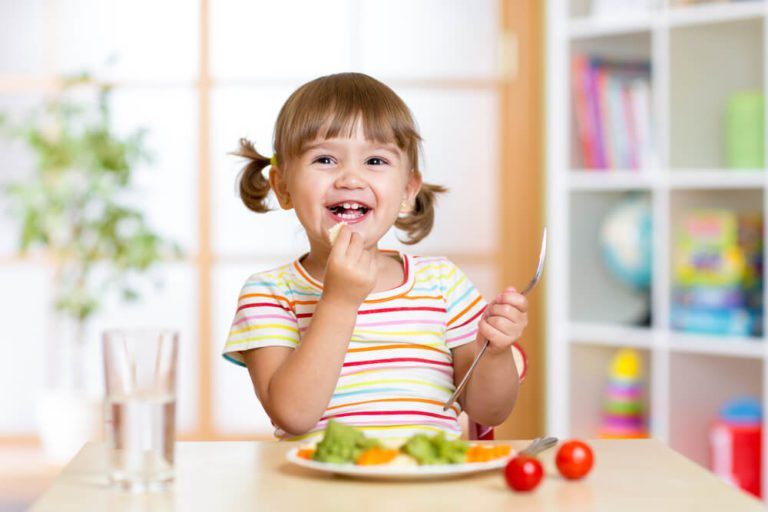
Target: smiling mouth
x: 349, y: 211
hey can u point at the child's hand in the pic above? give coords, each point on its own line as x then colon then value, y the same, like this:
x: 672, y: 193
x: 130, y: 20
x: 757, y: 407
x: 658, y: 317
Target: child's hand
x: 350, y: 272
x: 504, y: 320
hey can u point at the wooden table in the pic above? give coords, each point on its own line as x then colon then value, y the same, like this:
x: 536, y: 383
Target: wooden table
x: 642, y: 475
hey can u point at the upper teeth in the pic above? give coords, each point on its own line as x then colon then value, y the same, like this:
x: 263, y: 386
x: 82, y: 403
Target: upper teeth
x: 351, y: 206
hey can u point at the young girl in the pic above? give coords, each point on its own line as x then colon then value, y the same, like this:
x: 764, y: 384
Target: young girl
x: 373, y: 338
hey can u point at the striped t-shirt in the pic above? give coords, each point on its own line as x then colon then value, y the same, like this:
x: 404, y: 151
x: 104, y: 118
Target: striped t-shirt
x: 398, y: 371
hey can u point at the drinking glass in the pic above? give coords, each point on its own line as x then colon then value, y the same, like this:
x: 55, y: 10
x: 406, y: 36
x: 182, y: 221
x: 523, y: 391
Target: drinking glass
x: 140, y: 406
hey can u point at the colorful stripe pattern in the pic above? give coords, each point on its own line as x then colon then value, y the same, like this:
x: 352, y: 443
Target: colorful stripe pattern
x: 398, y: 370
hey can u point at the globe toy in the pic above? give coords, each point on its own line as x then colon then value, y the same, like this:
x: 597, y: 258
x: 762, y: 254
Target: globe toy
x: 626, y: 241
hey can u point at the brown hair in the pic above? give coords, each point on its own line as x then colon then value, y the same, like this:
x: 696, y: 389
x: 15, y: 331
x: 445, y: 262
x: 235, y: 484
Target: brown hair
x: 331, y: 106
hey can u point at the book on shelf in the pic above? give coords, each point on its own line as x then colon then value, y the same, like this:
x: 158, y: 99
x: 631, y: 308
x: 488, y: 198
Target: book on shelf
x: 744, y: 130
x: 718, y: 273
x: 612, y: 113
x: 719, y: 322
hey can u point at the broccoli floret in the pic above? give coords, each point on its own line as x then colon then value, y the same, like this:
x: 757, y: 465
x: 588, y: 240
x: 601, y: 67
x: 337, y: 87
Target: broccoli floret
x: 435, y: 450
x: 342, y: 444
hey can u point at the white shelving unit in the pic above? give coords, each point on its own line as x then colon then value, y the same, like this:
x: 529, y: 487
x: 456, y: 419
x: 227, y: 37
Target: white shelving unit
x: 699, y: 55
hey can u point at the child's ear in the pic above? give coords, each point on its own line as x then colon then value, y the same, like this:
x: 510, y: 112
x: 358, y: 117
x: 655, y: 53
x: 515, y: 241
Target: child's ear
x: 413, y: 186
x: 278, y: 183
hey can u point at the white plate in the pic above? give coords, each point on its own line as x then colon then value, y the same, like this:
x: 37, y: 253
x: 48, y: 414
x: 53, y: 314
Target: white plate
x: 385, y: 472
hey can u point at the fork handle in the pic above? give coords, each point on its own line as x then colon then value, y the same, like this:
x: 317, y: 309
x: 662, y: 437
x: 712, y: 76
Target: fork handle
x: 464, y: 381
x: 539, y: 445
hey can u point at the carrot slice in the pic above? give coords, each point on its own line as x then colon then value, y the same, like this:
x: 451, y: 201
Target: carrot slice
x: 375, y: 456
x: 483, y: 453
x: 306, y: 453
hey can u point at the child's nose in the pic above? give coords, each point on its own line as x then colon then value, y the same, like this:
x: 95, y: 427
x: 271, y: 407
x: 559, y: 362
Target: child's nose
x: 349, y: 178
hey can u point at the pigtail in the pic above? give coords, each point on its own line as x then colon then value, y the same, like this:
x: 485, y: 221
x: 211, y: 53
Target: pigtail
x: 418, y: 222
x: 253, y: 185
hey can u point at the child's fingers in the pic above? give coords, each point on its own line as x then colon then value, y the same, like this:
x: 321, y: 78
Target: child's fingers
x: 355, y: 248
x: 505, y: 311
x: 504, y: 325
x: 508, y: 292
x: 495, y: 336
x: 517, y: 300
x: 342, y: 240
x: 498, y: 309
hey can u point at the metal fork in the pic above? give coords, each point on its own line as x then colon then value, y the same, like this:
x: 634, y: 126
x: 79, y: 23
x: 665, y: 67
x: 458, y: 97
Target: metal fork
x: 531, y: 284
x: 538, y: 445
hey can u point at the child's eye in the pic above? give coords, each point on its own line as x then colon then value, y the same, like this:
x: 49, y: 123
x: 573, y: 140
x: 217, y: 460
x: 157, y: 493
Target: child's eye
x: 376, y: 161
x: 325, y: 160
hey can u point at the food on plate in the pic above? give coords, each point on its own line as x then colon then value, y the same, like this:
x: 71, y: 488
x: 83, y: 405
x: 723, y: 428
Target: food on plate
x: 403, y: 460
x: 333, y: 233
x: 343, y: 444
x: 484, y: 453
x: 574, y: 459
x: 523, y: 473
x: 436, y: 449
x: 306, y: 453
x: 374, y: 456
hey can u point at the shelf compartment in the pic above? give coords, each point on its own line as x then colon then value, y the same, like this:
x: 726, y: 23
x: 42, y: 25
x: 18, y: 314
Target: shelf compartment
x: 590, y: 365
x: 610, y: 91
x: 679, y: 16
x: 732, y: 52
x: 699, y: 385
x: 596, y: 296
x: 715, y: 300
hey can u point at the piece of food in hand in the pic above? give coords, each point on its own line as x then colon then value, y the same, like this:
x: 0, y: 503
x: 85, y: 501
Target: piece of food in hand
x: 376, y: 456
x: 523, y: 473
x: 333, y: 233
x: 574, y: 459
x: 436, y: 449
x: 342, y: 444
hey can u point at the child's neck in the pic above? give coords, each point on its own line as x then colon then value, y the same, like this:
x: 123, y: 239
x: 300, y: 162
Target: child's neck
x: 390, y: 269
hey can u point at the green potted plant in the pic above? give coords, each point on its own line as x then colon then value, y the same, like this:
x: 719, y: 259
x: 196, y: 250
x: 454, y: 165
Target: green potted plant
x: 73, y: 207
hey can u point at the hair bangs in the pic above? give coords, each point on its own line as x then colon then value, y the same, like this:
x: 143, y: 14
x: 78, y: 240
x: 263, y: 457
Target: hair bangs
x: 332, y: 106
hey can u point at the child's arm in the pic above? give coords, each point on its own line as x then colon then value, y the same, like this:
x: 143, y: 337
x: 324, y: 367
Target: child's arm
x: 492, y: 390
x: 295, y: 385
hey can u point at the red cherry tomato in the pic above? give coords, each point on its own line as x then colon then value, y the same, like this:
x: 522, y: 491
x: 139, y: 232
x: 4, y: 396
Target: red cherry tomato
x: 574, y: 459
x: 523, y: 473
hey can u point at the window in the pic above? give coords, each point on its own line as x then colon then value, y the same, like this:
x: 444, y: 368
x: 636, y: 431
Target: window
x: 198, y: 76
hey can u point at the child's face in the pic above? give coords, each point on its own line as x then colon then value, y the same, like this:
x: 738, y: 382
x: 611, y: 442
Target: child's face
x: 354, y: 180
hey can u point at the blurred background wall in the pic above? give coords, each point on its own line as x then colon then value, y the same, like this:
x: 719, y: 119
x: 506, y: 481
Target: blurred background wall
x: 200, y: 74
